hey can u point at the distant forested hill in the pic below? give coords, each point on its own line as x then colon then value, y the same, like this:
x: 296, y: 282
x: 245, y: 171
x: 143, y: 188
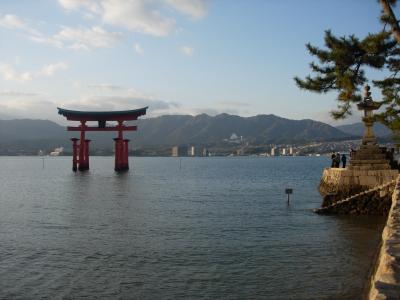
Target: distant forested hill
x: 357, y: 129
x: 177, y: 129
x: 262, y: 129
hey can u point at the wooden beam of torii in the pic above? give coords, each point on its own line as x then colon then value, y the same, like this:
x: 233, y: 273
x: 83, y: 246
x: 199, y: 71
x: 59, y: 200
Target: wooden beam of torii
x: 80, y: 152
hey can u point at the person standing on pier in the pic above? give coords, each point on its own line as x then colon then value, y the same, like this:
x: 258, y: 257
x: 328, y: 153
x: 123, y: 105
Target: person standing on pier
x: 344, y: 160
x: 333, y: 158
x: 337, y: 160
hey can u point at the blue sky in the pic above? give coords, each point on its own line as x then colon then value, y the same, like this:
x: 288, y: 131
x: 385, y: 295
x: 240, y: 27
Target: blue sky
x: 176, y: 56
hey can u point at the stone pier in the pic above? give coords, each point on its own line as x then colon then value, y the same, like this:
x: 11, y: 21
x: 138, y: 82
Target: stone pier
x: 337, y: 184
x: 368, y: 169
x: 369, y: 166
x: 374, y: 201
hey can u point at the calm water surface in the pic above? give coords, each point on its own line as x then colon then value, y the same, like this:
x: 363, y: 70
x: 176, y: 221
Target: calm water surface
x: 216, y: 228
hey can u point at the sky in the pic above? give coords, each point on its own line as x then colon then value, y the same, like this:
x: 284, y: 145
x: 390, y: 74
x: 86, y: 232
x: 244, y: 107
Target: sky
x: 175, y: 56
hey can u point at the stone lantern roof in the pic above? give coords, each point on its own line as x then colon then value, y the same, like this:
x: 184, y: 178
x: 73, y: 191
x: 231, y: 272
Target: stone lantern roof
x: 368, y: 103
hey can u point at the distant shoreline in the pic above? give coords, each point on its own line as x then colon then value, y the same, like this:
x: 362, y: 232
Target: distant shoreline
x: 231, y: 156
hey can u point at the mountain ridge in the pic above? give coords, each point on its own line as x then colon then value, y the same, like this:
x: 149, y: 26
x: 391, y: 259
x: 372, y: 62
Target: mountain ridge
x: 380, y: 130
x: 170, y: 130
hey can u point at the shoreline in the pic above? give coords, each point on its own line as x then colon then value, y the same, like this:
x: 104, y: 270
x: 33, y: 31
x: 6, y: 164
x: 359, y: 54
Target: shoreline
x: 384, y: 282
x: 372, y: 270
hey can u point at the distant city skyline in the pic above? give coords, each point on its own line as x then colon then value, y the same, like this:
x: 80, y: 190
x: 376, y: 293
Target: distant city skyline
x: 175, y: 56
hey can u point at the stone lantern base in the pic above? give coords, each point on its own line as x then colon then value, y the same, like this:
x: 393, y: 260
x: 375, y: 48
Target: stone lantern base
x: 369, y: 157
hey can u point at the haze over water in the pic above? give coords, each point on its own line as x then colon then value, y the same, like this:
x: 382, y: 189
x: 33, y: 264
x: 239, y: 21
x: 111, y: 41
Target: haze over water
x: 214, y: 228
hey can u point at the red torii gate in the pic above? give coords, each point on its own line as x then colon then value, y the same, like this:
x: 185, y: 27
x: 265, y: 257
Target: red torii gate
x: 80, y: 152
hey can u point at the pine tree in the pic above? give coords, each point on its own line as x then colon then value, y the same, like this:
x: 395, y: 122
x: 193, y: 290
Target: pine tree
x: 342, y: 65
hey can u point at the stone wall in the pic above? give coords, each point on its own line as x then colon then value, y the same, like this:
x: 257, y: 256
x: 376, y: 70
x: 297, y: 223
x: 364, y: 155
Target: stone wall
x: 338, y: 183
x: 385, y: 283
x: 375, y: 201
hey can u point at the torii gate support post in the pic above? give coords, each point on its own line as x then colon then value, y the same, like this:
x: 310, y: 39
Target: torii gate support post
x: 121, y: 155
x: 118, y: 150
x: 74, y: 154
x: 121, y: 150
x: 82, y: 165
x: 87, y: 154
x: 126, y: 155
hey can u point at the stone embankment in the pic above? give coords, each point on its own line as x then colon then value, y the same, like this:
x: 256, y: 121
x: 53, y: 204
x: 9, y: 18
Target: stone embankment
x: 375, y: 201
x: 385, y: 283
x: 338, y: 184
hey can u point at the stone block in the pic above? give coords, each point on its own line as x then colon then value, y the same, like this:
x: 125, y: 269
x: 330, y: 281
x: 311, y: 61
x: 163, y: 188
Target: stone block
x: 363, y: 180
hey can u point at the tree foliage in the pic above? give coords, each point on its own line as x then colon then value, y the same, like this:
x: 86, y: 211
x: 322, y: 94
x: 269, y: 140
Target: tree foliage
x: 341, y: 67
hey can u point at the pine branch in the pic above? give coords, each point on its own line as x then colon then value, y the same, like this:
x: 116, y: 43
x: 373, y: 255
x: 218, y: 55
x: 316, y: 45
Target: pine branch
x: 391, y: 19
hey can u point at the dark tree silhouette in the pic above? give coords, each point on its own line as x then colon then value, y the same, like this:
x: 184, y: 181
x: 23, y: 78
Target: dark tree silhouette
x: 341, y: 66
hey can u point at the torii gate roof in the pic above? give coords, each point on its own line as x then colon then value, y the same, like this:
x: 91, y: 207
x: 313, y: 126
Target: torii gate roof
x: 122, y: 115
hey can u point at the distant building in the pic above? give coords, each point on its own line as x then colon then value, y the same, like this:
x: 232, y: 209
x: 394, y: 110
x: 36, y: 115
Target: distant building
x: 283, y: 151
x: 174, y: 151
x: 240, y: 151
x: 192, y: 151
x: 273, y: 149
x: 291, y: 151
x: 179, y: 151
x: 57, y: 151
x: 234, y: 137
x: 205, y: 152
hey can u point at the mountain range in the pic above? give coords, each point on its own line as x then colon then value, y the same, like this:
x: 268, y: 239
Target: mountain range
x: 172, y: 130
x: 358, y: 129
x: 205, y: 129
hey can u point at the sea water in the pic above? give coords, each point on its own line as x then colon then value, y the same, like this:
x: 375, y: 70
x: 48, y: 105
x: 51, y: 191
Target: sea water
x: 173, y: 228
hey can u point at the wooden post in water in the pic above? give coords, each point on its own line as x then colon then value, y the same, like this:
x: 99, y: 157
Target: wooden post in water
x: 288, y: 193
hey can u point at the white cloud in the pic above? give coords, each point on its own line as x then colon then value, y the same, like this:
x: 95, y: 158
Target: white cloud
x: 105, y: 96
x: 151, y: 17
x: 40, y: 39
x: 105, y: 87
x: 109, y: 102
x: 144, y: 16
x: 196, y: 9
x: 32, y: 105
x: 137, y: 15
x: 49, y: 70
x: 138, y: 48
x: 186, y: 50
x: 10, y: 74
x: 87, y: 38
x: 91, y: 5
x: 18, y: 94
x: 88, y: 16
x: 12, y: 22
x: 80, y: 38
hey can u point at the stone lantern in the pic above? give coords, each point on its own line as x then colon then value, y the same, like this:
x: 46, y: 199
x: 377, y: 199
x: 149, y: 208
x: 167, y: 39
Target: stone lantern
x: 369, y: 156
x: 368, y: 106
